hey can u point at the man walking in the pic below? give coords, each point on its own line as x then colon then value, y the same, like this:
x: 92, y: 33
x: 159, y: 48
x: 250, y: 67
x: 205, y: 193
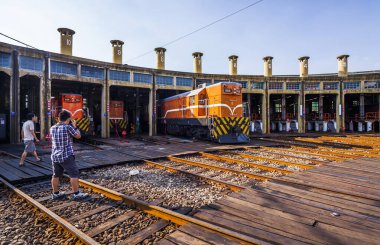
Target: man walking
x: 28, y: 136
x: 62, y: 155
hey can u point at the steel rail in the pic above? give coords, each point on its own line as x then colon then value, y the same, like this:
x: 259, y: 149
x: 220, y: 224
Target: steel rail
x: 292, y: 150
x: 232, y: 160
x: 57, y: 219
x: 351, y: 151
x: 319, y: 142
x: 280, y: 180
x: 328, y: 152
x: 157, y: 211
x: 166, y: 214
x: 269, y: 151
x: 204, y: 165
x: 304, y: 166
x: 233, y: 187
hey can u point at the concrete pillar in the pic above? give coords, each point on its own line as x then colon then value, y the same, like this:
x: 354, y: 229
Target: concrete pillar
x: 66, y: 40
x: 105, y: 112
x: 117, y: 51
x: 320, y: 107
x: 197, y: 60
x: 248, y: 113
x: 138, y: 112
x: 283, y: 107
x: 267, y: 104
x: 233, y: 64
x: 14, y: 128
x: 264, y: 112
x: 304, y: 66
x: 46, y: 116
x: 342, y: 65
x: 339, y: 113
x: 300, y: 118
x: 268, y: 66
x: 378, y: 104
x: 152, y: 112
x: 160, y: 58
x: 361, y: 106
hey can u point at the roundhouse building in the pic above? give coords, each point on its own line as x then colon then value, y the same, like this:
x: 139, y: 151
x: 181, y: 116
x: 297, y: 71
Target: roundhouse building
x: 31, y: 78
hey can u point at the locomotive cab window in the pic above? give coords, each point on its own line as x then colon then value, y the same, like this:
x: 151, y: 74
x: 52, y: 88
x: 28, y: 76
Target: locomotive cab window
x: 201, y: 99
x: 192, y: 100
x: 227, y: 90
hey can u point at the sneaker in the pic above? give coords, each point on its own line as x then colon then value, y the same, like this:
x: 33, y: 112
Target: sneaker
x: 59, y: 195
x: 80, y: 195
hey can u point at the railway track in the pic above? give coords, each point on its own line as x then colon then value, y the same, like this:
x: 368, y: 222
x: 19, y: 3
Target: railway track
x: 149, y: 206
x: 108, y: 215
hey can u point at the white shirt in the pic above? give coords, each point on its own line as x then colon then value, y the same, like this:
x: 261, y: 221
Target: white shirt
x: 27, y: 128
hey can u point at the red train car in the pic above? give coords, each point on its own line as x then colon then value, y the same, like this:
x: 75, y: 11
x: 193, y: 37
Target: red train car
x: 116, y: 109
x: 73, y: 103
x: 117, y: 115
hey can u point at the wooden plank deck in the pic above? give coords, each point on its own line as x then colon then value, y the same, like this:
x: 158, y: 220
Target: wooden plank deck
x: 88, y: 157
x: 285, y: 213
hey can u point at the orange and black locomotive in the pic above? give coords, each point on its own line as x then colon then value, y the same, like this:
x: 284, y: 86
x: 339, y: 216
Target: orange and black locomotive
x: 210, y: 112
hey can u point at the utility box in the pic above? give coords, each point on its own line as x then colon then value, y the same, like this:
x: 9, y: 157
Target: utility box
x: 3, y: 127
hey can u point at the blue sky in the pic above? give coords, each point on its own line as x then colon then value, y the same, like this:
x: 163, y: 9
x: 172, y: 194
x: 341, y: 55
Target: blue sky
x: 284, y: 29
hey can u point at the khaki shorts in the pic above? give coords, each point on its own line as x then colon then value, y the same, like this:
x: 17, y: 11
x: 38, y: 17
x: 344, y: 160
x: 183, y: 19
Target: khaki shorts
x: 30, y: 147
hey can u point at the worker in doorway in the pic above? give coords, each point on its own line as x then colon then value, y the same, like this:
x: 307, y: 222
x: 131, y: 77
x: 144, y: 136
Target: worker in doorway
x: 62, y: 155
x: 132, y: 130
x: 28, y: 136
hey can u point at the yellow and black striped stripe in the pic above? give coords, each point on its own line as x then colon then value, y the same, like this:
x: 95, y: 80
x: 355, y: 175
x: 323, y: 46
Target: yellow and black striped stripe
x: 122, y: 123
x: 83, y: 124
x: 223, y: 125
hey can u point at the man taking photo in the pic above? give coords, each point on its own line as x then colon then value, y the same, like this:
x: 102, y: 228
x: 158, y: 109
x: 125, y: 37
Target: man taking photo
x: 62, y: 155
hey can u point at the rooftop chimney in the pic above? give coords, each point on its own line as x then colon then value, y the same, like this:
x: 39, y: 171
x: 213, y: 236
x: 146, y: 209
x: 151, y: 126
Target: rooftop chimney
x: 233, y: 64
x: 268, y: 66
x: 117, y: 50
x: 342, y: 65
x: 304, y: 66
x: 66, y: 40
x: 160, y: 58
x: 197, y: 62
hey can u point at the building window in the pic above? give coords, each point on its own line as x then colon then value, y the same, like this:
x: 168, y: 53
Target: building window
x: 244, y: 84
x: 352, y: 85
x: 184, y: 81
x: 314, y: 106
x: 293, y: 86
x: 30, y: 63
x: 355, y: 103
x: 202, y: 81
x: 142, y: 78
x: 94, y: 72
x: 257, y: 85
x: 164, y: 80
x: 311, y: 86
x: 371, y: 84
x: 63, y: 68
x: 120, y: 75
x: 5, y: 60
x: 275, y: 85
x: 330, y: 85
x: 221, y: 81
x: 277, y: 107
